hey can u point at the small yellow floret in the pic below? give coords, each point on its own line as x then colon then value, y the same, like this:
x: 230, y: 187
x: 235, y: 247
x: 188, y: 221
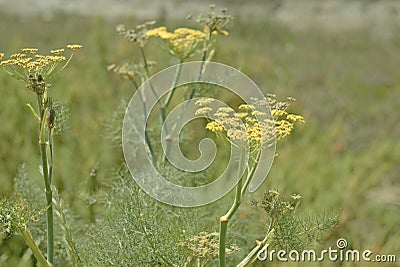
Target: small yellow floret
x: 57, y: 51
x: 29, y: 50
x: 74, y: 47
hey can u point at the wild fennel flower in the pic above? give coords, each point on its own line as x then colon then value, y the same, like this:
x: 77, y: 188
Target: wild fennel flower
x: 203, y: 111
x: 295, y: 118
x: 23, y: 66
x: 204, y: 101
x: 30, y: 50
x: 215, y: 126
x: 57, y: 51
x: 74, y: 47
x: 182, y: 42
x: 250, y: 123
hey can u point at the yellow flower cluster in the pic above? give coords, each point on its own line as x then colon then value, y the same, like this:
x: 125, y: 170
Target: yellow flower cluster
x: 249, y: 123
x: 295, y: 118
x: 20, y: 65
x: 29, y: 50
x: 31, y: 64
x: 215, y: 126
x: 204, y: 101
x: 183, y: 42
x: 74, y: 47
x: 57, y: 51
x: 216, y: 31
x: 203, y: 111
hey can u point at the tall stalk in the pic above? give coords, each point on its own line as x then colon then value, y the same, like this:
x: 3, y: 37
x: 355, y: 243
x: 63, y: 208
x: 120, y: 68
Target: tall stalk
x: 35, y: 70
x: 46, y: 178
x: 225, y: 219
x: 240, y: 191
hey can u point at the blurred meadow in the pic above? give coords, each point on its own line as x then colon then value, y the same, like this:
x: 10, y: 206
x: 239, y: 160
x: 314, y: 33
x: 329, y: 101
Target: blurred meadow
x: 345, y: 159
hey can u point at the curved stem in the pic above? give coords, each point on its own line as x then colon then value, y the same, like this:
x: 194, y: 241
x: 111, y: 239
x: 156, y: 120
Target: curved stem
x: 33, y: 246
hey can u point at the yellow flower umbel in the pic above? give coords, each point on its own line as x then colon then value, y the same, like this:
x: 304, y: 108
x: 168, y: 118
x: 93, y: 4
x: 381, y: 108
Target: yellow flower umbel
x: 183, y: 42
x: 28, y: 64
x: 249, y: 123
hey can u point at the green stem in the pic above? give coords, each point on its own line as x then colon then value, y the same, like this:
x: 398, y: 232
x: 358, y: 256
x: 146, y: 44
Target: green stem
x: 166, y: 104
x: 51, y: 155
x: 171, y: 93
x: 49, y: 212
x: 146, y: 134
x: 48, y: 192
x: 251, y: 173
x: 225, y: 219
x: 35, y: 249
x: 203, y: 59
x: 146, y: 66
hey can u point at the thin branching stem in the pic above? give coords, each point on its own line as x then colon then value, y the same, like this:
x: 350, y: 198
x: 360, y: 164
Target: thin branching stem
x: 166, y: 103
x: 251, y: 173
x: 203, y: 59
x: 146, y: 66
x: 146, y: 133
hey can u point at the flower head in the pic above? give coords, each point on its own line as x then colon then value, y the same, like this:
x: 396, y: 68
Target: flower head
x: 57, y: 51
x: 28, y: 64
x: 182, y: 42
x: 251, y: 123
x: 29, y: 50
x: 74, y: 47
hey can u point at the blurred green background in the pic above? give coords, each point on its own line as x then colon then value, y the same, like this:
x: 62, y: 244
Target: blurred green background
x: 344, y: 73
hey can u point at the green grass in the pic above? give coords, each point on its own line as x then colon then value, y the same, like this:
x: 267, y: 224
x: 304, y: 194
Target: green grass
x: 345, y: 159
